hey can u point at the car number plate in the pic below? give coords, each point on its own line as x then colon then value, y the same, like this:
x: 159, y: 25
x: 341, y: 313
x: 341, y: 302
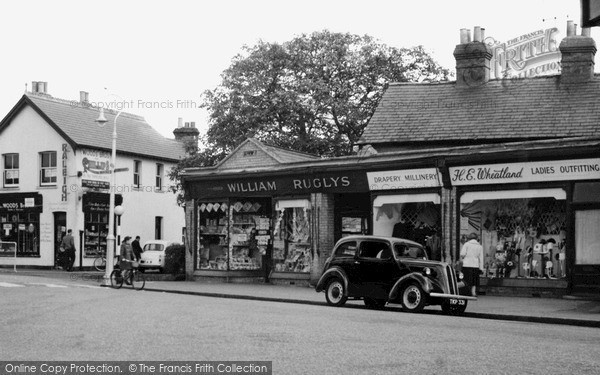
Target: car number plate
x: 454, y: 301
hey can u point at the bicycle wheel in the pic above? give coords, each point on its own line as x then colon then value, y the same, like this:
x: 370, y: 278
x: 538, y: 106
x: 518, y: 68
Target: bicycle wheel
x: 116, y: 280
x: 138, y: 281
x: 100, y: 263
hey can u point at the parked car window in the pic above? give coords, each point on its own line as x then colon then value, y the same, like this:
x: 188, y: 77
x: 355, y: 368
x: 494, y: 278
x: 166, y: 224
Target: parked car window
x: 372, y: 249
x: 154, y: 247
x: 347, y: 249
x: 409, y: 251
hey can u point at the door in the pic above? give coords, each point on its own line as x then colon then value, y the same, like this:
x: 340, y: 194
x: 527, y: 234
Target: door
x: 60, y: 229
x: 376, y: 267
x: 586, y: 270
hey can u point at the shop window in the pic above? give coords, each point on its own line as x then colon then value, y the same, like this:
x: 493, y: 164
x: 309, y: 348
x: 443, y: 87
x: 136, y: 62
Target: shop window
x: 415, y: 221
x: 24, y: 229
x: 520, y: 237
x: 292, y: 249
x: 48, y: 168
x: 159, y: 176
x: 96, y: 231
x: 233, y: 236
x: 11, y: 170
x: 137, y: 173
x: 213, y: 219
x: 587, y: 237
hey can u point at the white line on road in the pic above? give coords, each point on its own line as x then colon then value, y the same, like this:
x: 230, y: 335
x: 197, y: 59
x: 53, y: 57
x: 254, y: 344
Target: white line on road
x: 9, y: 285
x: 49, y: 285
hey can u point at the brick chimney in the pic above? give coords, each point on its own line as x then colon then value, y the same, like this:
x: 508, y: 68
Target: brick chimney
x: 578, y: 51
x: 39, y: 87
x: 472, y: 59
x: 187, y: 131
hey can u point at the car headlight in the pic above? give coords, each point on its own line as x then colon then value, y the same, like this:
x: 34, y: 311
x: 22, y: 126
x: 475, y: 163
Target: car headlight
x: 461, y: 275
x: 429, y: 272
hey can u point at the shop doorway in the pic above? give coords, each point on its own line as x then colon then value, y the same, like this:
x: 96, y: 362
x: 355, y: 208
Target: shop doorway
x: 586, y: 269
x: 60, y: 229
x: 352, y: 213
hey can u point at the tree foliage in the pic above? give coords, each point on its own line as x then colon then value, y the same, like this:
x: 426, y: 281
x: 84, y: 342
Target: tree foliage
x: 315, y: 93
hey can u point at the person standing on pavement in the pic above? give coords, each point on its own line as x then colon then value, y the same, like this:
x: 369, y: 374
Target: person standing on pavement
x: 68, y: 243
x: 137, y: 249
x: 471, y: 255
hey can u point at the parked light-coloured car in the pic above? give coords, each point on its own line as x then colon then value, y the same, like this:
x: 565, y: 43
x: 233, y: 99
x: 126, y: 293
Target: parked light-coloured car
x: 153, y: 256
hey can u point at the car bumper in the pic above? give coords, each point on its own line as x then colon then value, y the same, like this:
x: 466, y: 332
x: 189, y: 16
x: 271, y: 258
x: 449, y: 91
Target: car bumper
x: 454, y: 296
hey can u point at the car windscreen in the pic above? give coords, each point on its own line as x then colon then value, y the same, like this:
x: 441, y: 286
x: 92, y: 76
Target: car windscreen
x: 154, y: 247
x: 403, y: 250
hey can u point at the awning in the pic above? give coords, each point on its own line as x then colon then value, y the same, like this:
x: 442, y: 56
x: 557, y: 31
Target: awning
x: 406, y: 198
x: 471, y: 196
x: 292, y: 203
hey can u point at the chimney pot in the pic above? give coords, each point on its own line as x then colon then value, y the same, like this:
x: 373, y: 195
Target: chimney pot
x: 83, y: 96
x: 180, y: 122
x: 193, y: 124
x: 477, y: 34
x: 570, y: 28
x: 586, y: 31
x: 463, y: 36
x: 468, y: 35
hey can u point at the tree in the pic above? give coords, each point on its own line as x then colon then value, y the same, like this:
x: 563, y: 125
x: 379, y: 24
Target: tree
x: 315, y: 93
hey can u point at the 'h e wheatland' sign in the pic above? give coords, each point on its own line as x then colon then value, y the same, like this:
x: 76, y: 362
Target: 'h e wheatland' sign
x: 562, y: 170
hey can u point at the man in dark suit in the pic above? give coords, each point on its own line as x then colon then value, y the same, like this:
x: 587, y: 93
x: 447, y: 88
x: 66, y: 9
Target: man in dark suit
x: 68, y: 243
x: 137, y: 249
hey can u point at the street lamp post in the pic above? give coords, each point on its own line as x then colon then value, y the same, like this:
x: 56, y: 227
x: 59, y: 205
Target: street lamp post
x: 110, y: 238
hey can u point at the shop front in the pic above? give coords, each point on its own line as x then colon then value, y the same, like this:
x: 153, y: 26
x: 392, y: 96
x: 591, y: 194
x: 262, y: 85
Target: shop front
x: 407, y: 204
x: 20, y: 220
x: 95, y: 213
x: 534, y: 221
x: 276, y: 228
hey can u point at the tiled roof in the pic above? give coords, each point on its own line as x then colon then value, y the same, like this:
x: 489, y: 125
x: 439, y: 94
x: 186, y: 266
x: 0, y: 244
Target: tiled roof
x: 500, y: 110
x: 286, y: 156
x: 77, y: 123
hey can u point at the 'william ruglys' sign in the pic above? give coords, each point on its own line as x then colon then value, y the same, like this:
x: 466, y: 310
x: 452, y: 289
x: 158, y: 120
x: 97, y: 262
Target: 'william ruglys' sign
x: 562, y: 170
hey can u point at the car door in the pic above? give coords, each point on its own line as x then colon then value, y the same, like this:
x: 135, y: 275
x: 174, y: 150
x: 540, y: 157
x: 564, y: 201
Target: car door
x: 376, y: 267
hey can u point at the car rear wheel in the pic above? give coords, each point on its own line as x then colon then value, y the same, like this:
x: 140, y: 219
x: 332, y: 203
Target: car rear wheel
x: 413, y: 298
x: 335, y: 293
x: 374, y: 303
x: 449, y: 309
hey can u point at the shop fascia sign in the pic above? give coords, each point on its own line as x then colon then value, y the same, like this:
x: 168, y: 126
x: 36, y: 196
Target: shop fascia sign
x: 404, y: 179
x: 562, y: 170
x: 529, y: 55
x: 96, y: 169
x: 338, y: 182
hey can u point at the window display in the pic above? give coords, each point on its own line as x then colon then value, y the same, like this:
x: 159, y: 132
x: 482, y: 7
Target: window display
x: 233, y: 235
x: 292, y: 249
x: 520, y: 237
x: 22, y: 228
x: 96, y: 231
x: 214, y: 229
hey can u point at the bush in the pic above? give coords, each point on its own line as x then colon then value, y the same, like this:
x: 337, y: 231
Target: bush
x: 175, y: 259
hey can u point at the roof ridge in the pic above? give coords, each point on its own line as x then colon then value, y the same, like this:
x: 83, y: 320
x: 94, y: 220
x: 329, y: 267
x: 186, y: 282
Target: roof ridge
x: 83, y: 105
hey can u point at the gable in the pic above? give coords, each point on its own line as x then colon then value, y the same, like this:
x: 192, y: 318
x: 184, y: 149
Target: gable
x: 248, y: 155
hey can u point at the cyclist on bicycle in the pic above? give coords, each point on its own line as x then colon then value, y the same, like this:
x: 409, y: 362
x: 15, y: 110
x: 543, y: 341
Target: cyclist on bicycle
x: 127, y: 259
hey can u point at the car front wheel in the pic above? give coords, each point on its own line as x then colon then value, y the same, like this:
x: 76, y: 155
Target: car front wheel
x: 335, y: 293
x: 413, y: 298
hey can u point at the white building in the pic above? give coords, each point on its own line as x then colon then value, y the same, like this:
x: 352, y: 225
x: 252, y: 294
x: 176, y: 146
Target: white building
x: 54, y: 164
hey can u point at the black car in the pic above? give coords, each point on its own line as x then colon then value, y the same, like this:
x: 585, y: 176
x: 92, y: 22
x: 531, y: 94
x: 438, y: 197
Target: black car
x: 383, y: 270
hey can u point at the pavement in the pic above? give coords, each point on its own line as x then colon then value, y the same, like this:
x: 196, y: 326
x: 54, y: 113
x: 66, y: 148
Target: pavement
x: 570, y: 310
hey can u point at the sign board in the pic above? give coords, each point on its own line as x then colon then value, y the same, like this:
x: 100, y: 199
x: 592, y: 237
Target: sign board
x: 332, y: 182
x: 529, y: 55
x: 7, y: 250
x: 96, y: 169
x: 404, y: 179
x: 558, y: 170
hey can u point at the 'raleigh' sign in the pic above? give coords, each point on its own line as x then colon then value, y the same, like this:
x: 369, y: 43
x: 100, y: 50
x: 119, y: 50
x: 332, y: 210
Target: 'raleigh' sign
x: 563, y: 170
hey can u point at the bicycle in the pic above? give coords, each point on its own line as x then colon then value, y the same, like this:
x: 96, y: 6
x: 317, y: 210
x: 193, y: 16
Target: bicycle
x: 100, y: 262
x: 134, y: 277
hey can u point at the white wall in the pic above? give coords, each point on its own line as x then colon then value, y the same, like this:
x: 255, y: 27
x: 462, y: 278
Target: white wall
x: 29, y: 134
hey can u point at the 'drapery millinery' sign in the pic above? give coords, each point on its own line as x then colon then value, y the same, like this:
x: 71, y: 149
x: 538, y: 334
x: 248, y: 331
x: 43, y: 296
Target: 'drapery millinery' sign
x: 403, y: 179
x: 559, y: 170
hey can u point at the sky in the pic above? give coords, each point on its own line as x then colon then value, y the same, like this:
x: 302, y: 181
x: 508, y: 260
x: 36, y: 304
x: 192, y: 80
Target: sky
x: 156, y: 58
